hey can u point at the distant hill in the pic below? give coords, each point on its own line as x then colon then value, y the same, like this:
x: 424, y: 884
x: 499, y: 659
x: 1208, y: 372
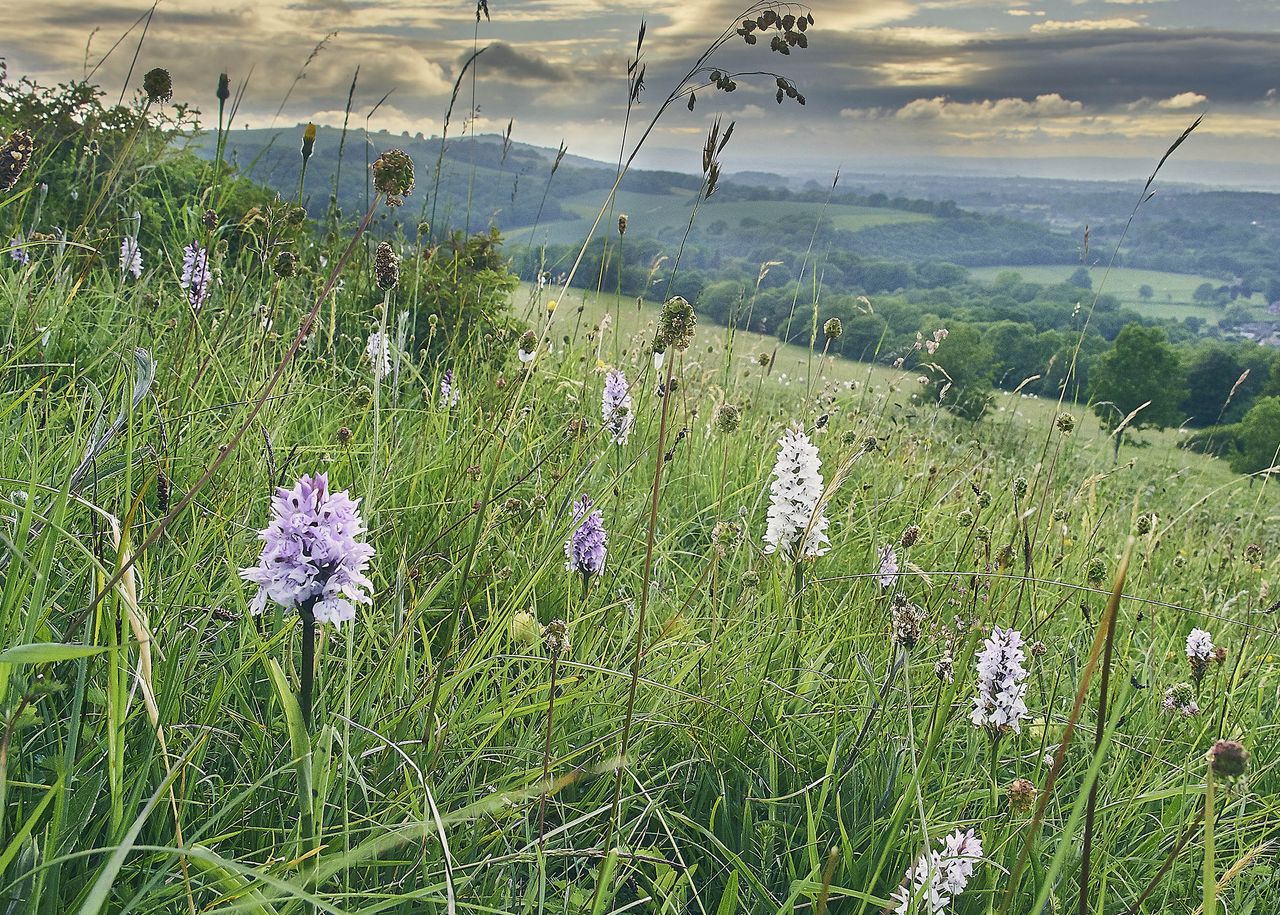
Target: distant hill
x: 484, y: 180
x: 972, y: 221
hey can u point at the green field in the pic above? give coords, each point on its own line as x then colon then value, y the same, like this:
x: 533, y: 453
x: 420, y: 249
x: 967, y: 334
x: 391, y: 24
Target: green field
x: 1172, y: 292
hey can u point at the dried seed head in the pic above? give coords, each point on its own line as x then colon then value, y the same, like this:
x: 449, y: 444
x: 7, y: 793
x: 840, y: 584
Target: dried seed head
x: 1021, y: 794
x: 1146, y: 523
x: 224, y: 87
x: 1019, y: 487
x: 945, y: 667
x: 908, y: 620
x: 286, y: 265
x: 1096, y: 570
x: 15, y: 155
x: 763, y: 360
x: 728, y: 417
x: 1228, y: 759
x: 724, y: 535
x: 1066, y: 423
x: 210, y: 220
x: 622, y: 224
x: 910, y: 536
x: 386, y: 266
x: 393, y: 176
x: 1253, y: 553
x: 555, y: 638
x: 345, y: 435
x: 675, y: 326
x: 158, y: 85
x: 833, y: 329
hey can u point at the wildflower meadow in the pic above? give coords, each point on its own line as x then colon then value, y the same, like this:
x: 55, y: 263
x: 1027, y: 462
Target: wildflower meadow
x: 344, y: 573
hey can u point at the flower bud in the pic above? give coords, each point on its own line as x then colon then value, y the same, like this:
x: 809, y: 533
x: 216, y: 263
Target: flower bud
x: 308, y: 141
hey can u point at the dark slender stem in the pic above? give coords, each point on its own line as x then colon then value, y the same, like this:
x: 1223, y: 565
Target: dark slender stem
x: 546, y: 752
x: 644, y: 603
x: 1104, y: 685
x: 308, y: 661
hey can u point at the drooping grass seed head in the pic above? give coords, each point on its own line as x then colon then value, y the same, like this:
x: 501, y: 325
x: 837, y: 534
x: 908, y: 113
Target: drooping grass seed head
x: 157, y: 84
x: 393, y: 176
x: 15, y: 156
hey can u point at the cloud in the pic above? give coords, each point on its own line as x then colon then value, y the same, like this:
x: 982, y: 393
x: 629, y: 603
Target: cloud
x: 1086, y: 25
x: 1182, y: 101
x: 1003, y: 109
x: 518, y: 66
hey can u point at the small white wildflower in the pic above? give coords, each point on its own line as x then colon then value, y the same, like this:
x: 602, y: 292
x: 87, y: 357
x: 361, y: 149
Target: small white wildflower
x: 795, y: 510
x: 998, y: 705
x: 936, y: 877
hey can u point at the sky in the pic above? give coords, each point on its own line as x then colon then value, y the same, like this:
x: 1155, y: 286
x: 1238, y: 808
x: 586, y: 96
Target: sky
x: 1070, y: 88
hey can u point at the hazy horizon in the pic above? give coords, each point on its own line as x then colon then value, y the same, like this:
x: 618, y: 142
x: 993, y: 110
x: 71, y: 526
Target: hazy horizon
x: 1088, y: 89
